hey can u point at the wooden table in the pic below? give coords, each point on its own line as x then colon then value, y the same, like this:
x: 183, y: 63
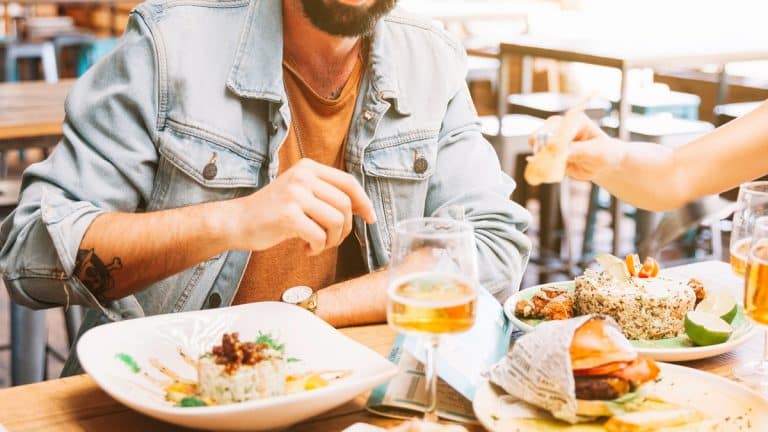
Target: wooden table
x: 623, y: 53
x: 77, y: 403
x: 31, y: 113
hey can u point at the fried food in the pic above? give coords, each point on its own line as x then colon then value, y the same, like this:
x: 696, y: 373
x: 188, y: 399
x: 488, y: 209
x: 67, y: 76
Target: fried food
x: 539, y: 301
x: 553, y: 291
x: 698, y: 289
x: 551, y: 303
x: 525, y: 309
x: 559, y: 308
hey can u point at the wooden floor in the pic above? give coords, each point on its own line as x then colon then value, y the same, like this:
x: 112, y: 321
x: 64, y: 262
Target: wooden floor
x: 56, y: 332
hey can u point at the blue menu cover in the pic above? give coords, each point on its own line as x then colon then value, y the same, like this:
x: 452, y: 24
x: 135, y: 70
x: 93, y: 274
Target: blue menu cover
x: 461, y: 359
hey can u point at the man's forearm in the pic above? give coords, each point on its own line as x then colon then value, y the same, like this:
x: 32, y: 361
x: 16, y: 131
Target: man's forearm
x: 654, y: 177
x: 358, y: 301
x: 122, y: 253
x: 363, y: 300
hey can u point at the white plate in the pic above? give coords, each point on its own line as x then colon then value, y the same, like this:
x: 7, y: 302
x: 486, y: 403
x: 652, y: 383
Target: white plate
x: 733, y: 406
x: 670, y: 350
x: 305, y: 336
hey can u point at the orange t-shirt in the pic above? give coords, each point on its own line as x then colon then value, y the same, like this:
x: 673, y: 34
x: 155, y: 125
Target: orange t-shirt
x: 323, y: 125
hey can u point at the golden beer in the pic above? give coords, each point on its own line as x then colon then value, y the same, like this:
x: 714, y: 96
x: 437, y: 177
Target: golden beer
x: 756, y: 290
x: 738, y: 254
x: 432, y: 303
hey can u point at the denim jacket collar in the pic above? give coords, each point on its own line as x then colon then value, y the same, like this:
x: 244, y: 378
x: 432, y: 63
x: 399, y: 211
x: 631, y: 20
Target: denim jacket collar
x: 257, y: 71
x: 384, y: 76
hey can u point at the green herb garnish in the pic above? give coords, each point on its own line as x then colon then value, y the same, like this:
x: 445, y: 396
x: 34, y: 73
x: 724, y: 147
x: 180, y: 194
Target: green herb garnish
x: 129, y: 361
x: 191, y: 401
x: 267, y: 339
x: 629, y: 397
x: 292, y: 360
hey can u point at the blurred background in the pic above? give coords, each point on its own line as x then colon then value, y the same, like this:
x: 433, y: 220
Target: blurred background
x: 662, y: 71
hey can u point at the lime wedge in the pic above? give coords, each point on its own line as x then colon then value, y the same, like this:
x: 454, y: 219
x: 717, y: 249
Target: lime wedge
x: 614, y: 266
x: 706, y: 329
x: 719, y: 304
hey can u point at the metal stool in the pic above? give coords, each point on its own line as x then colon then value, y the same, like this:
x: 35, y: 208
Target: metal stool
x: 97, y: 49
x: 512, y: 147
x: 82, y: 41
x: 727, y: 112
x: 544, y: 105
x: 513, y: 139
x: 44, y: 51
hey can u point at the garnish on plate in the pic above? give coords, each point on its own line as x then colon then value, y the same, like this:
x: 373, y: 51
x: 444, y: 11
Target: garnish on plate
x: 236, y: 371
x: 128, y: 361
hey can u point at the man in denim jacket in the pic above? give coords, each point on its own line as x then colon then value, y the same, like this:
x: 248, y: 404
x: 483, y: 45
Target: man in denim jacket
x: 166, y: 183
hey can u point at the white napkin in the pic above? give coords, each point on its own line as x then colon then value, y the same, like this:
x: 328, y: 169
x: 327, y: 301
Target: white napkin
x: 538, y: 369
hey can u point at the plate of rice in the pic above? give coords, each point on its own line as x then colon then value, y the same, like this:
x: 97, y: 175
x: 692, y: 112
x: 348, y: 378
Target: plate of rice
x: 258, y: 366
x: 673, y: 348
x: 661, y: 313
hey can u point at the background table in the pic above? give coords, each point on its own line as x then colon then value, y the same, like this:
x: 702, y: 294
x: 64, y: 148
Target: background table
x: 7, y: 19
x: 77, y: 403
x: 623, y: 53
x: 31, y: 113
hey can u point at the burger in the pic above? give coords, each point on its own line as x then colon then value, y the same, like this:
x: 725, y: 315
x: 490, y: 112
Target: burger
x: 607, y: 371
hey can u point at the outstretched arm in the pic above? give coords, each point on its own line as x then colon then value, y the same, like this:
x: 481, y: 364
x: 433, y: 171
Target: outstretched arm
x: 654, y: 177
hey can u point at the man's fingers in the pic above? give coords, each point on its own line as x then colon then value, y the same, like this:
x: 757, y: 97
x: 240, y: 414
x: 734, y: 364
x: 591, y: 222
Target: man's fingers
x: 361, y: 204
x: 330, y: 219
x: 338, y: 199
x: 309, y: 231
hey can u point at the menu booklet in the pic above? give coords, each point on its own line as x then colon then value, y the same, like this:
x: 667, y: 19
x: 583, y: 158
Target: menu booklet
x: 461, y: 359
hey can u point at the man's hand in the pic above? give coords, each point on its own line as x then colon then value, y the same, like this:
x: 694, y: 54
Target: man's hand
x: 590, y: 151
x: 309, y: 201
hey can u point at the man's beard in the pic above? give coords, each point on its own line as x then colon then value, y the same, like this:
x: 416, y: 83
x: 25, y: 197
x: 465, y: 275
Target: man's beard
x: 344, y: 20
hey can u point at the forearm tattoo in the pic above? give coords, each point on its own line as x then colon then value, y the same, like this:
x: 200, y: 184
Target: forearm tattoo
x: 94, y: 273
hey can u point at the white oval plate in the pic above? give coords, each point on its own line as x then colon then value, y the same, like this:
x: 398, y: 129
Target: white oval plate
x: 307, y: 337
x: 677, y: 349
x: 733, y: 406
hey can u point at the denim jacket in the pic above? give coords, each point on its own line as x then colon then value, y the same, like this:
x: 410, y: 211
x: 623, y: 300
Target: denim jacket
x: 195, y: 78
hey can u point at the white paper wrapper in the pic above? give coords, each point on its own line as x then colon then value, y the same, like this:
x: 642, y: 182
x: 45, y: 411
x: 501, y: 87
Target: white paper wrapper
x: 538, y: 369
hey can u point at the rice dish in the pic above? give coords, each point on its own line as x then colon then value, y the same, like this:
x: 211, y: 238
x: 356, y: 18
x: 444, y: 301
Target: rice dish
x: 644, y: 308
x: 240, y: 371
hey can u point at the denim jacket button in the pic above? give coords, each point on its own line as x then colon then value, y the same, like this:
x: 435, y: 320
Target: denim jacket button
x: 420, y: 165
x: 210, y: 170
x: 273, y: 128
x: 368, y: 115
x: 214, y: 300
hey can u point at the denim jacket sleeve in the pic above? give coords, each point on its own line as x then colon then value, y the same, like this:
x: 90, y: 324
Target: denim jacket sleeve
x: 478, y: 186
x: 105, y: 162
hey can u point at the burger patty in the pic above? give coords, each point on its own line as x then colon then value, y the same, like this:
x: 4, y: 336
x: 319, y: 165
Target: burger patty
x: 600, y: 387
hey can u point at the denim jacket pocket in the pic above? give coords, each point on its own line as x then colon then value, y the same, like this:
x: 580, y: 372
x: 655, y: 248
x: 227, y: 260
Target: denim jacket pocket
x: 409, y: 157
x: 193, y: 170
x: 398, y: 170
